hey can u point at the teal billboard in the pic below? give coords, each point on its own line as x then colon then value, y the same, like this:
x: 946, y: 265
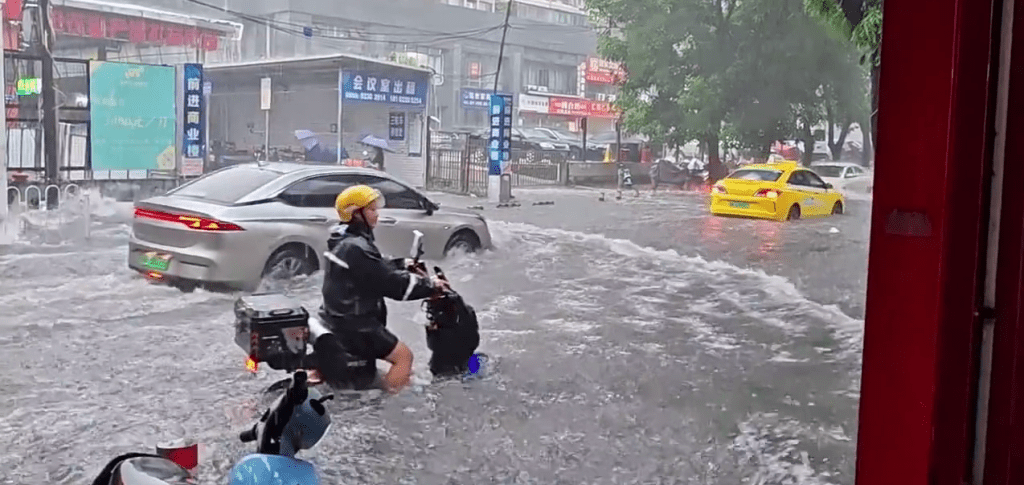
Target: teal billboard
x: 132, y: 112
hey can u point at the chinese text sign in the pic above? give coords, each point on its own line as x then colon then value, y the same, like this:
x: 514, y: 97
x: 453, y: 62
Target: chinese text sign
x: 132, y: 107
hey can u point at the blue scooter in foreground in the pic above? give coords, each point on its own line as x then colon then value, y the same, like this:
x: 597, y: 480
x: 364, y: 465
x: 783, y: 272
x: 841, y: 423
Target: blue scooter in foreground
x: 297, y: 421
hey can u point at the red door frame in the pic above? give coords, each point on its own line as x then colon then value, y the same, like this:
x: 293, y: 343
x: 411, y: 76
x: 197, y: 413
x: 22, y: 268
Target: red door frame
x: 1004, y: 456
x: 927, y: 236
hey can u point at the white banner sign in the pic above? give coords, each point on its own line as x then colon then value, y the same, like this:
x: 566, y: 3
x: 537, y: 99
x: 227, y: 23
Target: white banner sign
x: 533, y: 104
x: 191, y: 167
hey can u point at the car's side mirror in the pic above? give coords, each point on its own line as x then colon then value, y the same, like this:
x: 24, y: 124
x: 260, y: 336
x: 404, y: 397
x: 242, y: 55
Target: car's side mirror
x: 828, y: 186
x: 429, y: 207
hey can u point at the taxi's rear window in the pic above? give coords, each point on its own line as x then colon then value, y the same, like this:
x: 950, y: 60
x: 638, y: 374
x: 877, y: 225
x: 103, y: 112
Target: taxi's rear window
x: 759, y: 175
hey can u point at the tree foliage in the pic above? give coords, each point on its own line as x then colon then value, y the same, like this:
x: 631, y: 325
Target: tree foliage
x: 742, y: 72
x: 865, y: 34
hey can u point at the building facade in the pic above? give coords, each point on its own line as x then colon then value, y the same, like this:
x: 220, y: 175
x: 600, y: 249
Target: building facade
x: 83, y: 31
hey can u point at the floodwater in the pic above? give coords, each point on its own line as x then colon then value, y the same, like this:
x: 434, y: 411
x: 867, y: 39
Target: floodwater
x: 633, y: 341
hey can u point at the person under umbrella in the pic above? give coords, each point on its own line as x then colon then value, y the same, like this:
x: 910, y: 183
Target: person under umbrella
x: 379, y: 146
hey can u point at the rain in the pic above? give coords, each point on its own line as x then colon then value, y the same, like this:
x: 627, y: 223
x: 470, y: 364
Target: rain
x: 634, y: 336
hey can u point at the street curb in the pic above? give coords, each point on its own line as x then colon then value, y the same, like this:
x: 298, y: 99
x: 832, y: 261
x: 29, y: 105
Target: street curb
x: 511, y: 205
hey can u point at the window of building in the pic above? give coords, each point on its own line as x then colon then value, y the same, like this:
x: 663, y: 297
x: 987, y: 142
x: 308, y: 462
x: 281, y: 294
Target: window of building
x: 544, y: 78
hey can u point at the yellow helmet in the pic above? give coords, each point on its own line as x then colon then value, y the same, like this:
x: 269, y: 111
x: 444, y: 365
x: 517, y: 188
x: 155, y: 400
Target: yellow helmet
x: 354, y: 198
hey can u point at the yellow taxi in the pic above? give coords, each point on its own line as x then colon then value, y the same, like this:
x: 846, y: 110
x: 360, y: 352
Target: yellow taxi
x: 781, y: 191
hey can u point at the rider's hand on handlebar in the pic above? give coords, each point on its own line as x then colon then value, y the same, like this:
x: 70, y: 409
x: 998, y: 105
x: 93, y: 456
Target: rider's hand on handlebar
x: 440, y: 285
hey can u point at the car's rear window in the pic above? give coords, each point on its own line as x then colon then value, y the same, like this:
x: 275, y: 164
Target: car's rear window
x: 828, y: 170
x: 227, y: 186
x: 754, y: 174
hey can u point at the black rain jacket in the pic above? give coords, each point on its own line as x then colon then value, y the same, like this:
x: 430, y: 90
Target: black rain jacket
x: 357, y: 279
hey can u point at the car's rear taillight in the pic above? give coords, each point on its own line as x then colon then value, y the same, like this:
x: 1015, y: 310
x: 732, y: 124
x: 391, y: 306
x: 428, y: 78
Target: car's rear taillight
x: 718, y: 189
x: 194, y: 222
x: 769, y: 193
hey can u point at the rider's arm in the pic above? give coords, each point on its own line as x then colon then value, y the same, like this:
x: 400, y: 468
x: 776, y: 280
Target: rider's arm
x: 384, y: 278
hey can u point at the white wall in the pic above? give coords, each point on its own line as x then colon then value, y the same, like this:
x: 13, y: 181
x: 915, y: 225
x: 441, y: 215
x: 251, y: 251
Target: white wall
x: 314, y: 107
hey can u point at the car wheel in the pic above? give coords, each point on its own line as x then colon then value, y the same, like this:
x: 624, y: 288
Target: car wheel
x: 463, y: 241
x: 837, y: 209
x: 794, y: 213
x: 185, y: 286
x: 288, y: 262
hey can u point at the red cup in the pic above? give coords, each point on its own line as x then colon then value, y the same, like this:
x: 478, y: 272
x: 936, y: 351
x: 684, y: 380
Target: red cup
x: 186, y: 455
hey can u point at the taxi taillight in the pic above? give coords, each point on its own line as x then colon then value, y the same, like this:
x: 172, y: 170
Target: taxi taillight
x: 769, y: 193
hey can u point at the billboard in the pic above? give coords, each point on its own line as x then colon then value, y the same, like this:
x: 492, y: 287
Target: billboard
x: 407, y: 88
x: 499, y: 143
x: 473, y: 98
x: 132, y: 107
x: 193, y: 126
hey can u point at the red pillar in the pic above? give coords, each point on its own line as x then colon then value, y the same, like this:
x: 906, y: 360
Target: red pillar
x: 1004, y: 457
x: 927, y: 232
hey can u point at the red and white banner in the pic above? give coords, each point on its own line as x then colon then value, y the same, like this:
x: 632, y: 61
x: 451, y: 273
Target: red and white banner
x: 580, y: 107
x: 137, y: 30
x: 600, y: 71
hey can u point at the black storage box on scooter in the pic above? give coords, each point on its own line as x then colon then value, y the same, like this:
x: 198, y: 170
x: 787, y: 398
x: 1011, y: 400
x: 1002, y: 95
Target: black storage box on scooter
x: 273, y: 329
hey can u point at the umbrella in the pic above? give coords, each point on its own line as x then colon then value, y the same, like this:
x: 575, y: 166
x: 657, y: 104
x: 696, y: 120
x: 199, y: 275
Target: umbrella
x: 376, y: 142
x: 308, y: 139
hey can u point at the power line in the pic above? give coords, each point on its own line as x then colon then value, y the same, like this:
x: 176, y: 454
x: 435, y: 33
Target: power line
x: 299, y: 30
x: 501, y: 49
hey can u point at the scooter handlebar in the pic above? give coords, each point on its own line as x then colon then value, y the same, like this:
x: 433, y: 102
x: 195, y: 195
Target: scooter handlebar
x: 248, y: 436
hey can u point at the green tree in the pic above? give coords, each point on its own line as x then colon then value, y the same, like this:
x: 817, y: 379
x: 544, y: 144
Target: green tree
x: 779, y: 75
x: 861, y: 25
x: 744, y: 72
x: 679, y: 57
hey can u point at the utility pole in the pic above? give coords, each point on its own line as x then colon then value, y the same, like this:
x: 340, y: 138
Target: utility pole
x: 49, y: 88
x: 4, y: 209
x: 501, y: 48
x: 497, y: 181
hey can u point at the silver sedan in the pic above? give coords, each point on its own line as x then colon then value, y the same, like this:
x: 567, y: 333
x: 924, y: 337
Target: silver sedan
x: 233, y: 227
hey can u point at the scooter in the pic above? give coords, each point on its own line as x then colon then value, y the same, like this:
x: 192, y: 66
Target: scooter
x: 297, y: 421
x: 277, y: 331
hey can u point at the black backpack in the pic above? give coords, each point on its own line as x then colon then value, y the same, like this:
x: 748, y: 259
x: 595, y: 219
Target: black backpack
x: 453, y: 335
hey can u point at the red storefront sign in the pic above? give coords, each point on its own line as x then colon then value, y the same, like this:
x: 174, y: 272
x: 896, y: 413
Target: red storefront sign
x: 580, y: 107
x: 474, y: 70
x: 12, y: 10
x: 600, y: 71
x: 101, y: 25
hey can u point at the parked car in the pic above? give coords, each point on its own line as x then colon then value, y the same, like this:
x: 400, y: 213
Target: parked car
x: 595, y: 151
x: 632, y: 146
x: 782, y: 191
x: 237, y: 225
x: 537, y: 146
x: 846, y: 177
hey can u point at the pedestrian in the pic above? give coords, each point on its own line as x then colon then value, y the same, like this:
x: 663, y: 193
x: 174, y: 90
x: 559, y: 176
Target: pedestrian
x: 356, y: 281
x: 378, y: 158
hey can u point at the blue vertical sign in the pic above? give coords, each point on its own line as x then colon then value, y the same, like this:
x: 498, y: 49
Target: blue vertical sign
x: 499, y: 144
x: 195, y: 113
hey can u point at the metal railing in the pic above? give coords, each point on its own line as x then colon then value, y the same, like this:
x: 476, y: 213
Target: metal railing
x: 459, y: 165
x: 52, y: 205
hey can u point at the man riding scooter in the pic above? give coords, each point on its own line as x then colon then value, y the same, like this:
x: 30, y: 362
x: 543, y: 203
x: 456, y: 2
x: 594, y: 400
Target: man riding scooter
x: 356, y: 281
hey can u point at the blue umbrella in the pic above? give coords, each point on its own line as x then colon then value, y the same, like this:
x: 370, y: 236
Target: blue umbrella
x: 308, y: 139
x: 373, y: 141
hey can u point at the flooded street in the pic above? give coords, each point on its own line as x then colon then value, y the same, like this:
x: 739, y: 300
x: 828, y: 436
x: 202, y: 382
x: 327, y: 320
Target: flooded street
x: 635, y: 341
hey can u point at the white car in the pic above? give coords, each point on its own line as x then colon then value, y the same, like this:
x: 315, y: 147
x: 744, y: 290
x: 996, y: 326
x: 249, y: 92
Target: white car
x: 232, y: 227
x: 845, y: 177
